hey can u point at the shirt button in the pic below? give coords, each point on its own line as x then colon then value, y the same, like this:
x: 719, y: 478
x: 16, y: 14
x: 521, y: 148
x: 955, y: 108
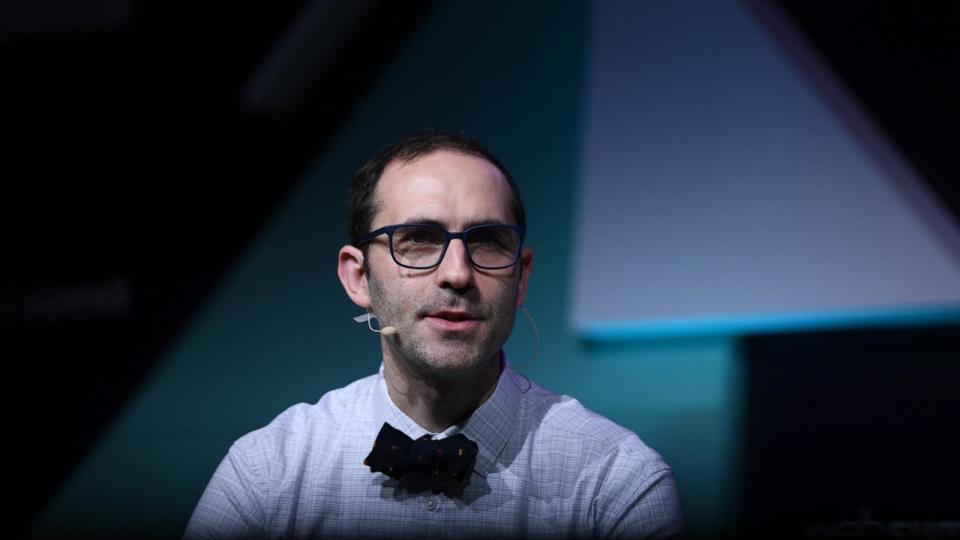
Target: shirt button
x: 431, y: 504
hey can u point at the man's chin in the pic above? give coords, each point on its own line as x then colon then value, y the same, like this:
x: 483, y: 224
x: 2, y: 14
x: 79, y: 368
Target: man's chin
x: 456, y: 362
x: 449, y: 354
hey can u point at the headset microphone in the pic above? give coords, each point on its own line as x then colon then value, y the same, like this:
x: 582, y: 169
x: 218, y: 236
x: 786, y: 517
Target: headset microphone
x: 384, y: 330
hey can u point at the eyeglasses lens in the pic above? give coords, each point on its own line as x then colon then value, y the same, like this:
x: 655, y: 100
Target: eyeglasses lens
x: 493, y: 246
x: 489, y: 246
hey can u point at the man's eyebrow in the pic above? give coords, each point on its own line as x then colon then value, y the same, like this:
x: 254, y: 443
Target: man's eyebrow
x: 434, y: 222
x: 485, y: 222
x: 422, y: 221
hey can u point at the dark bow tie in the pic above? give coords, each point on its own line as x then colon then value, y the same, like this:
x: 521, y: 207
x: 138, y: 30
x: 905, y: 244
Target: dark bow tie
x: 424, y: 462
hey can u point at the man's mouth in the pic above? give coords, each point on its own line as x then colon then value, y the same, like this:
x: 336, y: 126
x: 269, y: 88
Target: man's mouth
x: 452, y: 320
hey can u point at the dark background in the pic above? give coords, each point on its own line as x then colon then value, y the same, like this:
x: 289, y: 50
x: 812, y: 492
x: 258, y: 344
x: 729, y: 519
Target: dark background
x: 135, y: 169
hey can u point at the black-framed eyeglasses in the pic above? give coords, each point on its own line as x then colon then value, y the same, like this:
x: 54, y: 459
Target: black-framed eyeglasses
x: 422, y: 246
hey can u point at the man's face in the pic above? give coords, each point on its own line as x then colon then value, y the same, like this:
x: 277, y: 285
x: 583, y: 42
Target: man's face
x: 454, y: 318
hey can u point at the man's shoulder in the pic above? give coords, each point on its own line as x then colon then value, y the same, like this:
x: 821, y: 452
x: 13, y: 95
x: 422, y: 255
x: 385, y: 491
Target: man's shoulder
x: 566, y: 421
x: 630, y: 487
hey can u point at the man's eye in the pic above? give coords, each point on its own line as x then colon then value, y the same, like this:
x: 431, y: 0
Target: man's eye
x: 421, y: 236
x: 492, y: 238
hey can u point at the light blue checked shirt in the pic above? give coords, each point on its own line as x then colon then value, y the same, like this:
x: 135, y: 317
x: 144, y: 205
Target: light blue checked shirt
x: 547, y: 467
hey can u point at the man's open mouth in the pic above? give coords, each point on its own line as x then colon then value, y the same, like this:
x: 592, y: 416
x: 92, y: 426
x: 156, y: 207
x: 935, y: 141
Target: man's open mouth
x: 452, y: 320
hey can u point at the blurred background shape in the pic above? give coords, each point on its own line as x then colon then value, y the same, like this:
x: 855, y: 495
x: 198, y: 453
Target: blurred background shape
x: 734, y: 185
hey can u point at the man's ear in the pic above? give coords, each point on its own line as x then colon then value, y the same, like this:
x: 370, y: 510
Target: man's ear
x: 353, y: 276
x: 526, y: 268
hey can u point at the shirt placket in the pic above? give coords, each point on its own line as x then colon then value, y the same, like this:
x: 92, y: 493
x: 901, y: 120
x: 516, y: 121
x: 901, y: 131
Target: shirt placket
x: 432, y: 507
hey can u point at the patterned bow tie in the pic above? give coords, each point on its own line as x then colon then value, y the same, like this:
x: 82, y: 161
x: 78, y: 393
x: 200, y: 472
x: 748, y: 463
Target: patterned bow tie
x: 424, y: 462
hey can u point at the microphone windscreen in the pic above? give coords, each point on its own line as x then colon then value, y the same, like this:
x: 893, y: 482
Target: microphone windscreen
x: 388, y: 330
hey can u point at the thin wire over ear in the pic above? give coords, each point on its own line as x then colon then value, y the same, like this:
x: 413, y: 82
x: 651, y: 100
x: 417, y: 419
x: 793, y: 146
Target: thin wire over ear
x: 536, y: 334
x: 367, y: 317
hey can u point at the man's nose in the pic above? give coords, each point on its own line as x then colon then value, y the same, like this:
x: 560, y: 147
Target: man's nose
x: 455, y: 270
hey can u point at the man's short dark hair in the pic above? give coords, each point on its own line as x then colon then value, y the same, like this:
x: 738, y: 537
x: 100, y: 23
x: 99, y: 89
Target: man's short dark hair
x: 360, y: 203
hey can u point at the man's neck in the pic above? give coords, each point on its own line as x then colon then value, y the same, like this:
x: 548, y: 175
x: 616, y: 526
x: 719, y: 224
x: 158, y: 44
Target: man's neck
x: 436, y: 403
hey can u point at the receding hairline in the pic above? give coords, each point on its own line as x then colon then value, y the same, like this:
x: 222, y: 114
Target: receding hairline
x: 400, y: 161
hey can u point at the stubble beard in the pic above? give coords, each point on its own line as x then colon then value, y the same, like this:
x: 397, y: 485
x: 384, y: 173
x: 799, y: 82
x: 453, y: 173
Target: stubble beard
x: 448, y: 356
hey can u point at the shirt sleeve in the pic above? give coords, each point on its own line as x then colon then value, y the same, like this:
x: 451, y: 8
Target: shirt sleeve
x: 232, y: 505
x: 638, y: 500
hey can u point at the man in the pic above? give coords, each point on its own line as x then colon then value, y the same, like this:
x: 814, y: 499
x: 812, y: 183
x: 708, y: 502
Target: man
x: 446, y: 440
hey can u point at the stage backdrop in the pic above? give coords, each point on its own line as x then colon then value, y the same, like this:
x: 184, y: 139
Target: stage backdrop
x: 731, y: 184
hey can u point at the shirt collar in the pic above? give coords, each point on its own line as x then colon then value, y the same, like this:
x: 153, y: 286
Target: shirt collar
x: 490, y: 426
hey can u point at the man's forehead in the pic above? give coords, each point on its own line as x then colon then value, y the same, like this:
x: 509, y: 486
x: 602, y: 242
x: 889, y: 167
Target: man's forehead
x: 445, y: 187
